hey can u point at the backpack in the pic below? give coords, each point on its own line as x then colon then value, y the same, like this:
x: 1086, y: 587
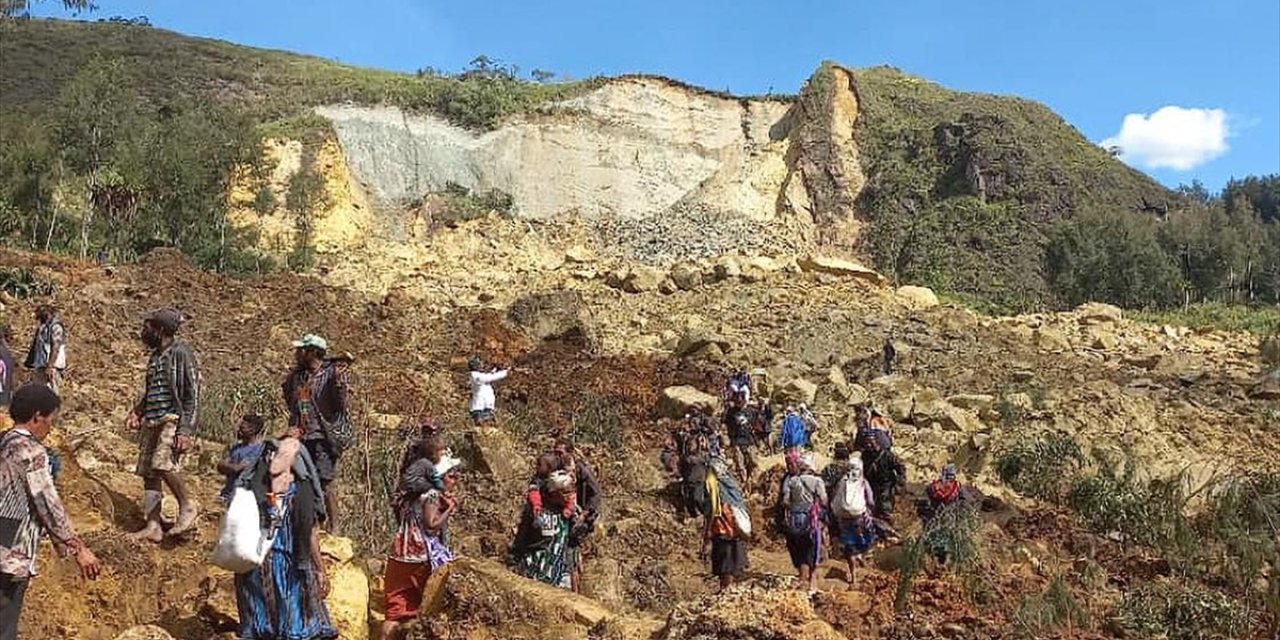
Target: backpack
x: 793, y: 433
x: 800, y: 522
x: 850, y: 499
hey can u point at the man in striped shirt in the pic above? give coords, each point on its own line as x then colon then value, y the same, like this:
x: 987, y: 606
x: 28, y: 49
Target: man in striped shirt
x: 165, y: 418
x: 29, y: 503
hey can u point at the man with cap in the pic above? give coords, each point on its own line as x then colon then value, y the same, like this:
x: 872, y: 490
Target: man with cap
x: 165, y: 418
x: 483, y: 400
x: 315, y: 393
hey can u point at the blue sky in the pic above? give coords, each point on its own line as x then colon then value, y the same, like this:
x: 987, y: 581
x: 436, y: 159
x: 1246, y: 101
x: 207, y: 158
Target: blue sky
x: 1110, y: 68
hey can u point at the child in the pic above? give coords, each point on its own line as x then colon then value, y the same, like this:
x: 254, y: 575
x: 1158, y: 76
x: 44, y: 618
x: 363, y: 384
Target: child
x: 547, y: 464
x: 243, y: 453
x: 419, y: 469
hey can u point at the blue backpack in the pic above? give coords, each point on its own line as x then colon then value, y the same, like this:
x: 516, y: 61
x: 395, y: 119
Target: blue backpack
x: 793, y: 432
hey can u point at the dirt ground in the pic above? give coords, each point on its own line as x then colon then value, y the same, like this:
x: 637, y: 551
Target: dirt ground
x: 642, y: 564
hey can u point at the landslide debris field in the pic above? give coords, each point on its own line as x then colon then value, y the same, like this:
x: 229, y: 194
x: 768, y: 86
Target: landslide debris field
x: 595, y: 359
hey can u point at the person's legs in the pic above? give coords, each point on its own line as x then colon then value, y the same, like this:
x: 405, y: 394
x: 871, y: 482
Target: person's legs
x: 186, y: 511
x: 11, y: 594
x: 404, y: 584
x: 152, y: 495
x: 327, y: 467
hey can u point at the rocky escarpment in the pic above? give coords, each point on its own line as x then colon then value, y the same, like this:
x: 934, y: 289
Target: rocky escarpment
x: 643, y: 159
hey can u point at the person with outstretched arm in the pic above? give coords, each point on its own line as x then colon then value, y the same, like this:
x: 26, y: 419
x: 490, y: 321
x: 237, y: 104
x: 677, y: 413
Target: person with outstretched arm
x: 483, y: 399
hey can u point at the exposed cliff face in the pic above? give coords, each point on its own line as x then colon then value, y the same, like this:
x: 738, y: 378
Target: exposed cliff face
x: 631, y: 149
x: 825, y: 174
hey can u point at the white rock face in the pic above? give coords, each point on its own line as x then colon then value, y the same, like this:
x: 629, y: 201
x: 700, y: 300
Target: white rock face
x: 630, y: 149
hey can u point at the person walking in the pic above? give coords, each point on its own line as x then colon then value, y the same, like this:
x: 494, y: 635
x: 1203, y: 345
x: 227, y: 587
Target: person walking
x: 284, y: 598
x: 421, y: 545
x: 315, y: 392
x: 47, y: 356
x: 29, y: 503
x: 804, y: 499
x: 165, y: 419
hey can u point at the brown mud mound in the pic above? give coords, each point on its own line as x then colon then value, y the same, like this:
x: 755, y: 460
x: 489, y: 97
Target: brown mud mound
x: 760, y: 610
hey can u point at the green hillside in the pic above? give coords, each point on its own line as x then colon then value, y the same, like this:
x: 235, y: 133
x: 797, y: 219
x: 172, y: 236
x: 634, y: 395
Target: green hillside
x: 39, y: 57
x: 963, y: 187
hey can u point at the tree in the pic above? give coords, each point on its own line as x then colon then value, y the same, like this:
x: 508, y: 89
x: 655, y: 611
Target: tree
x: 306, y: 195
x: 10, y: 8
x: 1113, y: 257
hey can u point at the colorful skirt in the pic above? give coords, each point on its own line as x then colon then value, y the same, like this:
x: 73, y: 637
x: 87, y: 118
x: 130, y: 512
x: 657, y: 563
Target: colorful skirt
x: 281, y: 599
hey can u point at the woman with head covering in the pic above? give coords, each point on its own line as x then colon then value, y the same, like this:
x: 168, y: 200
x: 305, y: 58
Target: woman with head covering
x: 421, y: 544
x: 541, y: 548
x: 804, y: 500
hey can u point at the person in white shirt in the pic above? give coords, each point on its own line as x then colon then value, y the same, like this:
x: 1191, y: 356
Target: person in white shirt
x: 482, y: 396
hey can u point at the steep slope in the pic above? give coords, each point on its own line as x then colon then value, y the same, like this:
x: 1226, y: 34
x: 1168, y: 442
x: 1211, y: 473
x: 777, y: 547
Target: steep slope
x: 951, y: 189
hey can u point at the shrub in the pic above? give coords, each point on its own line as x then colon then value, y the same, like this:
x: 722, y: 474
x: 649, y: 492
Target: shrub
x: 1056, y: 608
x: 21, y: 282
x: 223, y: 404
x: 1044, y: 468
x: 598, y: 420
x: 1149, y: 512
x: 1182, y: 612
x: 950, y: 537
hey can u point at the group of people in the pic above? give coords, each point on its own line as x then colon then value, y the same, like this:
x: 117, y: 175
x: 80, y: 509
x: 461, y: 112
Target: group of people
x: 291, y: 476
x: 292, y: 480
x: 849, y: 501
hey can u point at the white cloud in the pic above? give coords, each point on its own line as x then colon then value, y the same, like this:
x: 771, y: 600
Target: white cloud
x: 1172, y: 138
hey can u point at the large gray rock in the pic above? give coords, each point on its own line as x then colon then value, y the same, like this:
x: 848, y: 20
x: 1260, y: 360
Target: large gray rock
x: 674, y: 402
x: 1099, y: 313
x: 932, y: 408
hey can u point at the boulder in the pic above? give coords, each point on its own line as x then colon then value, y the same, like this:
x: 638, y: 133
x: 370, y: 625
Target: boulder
x: 842, y: 268
x: 728, y: 268
x: 524, y: 608
x: 1099, y: 313
x: 348, y: 598
x: 668, y: 287
x: 642, y: 279
x: 697, y: 341
x: 1103, y: 340
x: 931, y: 408
x: 578, y: 254
x: 918, y: 297
x: 674, y: 402
x: 1148, y: 360
x: 759, y: 268
x: 145, y: 632
x: 972, y: 401
x: 686, y: 277
x: 1051, y: 340
x: 797, y: 390
x: 491, y: 452
x: 1268, y: 388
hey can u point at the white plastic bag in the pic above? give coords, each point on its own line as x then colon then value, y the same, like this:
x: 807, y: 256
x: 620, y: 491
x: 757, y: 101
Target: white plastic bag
x: 242, y: 544
x: 741, y: 520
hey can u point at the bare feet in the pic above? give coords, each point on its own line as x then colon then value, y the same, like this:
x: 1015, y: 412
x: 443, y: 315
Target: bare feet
x: 150, y: 533
x: 186, y: 518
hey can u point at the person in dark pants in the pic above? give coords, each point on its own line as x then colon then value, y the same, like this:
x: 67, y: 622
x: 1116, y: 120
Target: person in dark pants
x: 884, y: 471
x: 316, y: 394
x: 29, y: 503
x: 889, y: 354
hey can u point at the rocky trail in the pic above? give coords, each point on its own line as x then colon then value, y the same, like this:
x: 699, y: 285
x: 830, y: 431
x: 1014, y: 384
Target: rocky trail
x: 599, y: 347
